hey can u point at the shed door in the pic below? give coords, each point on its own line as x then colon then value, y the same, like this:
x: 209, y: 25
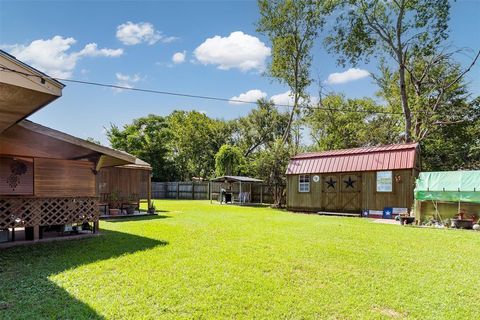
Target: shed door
x: 350, y: 186
x: 330, y: 191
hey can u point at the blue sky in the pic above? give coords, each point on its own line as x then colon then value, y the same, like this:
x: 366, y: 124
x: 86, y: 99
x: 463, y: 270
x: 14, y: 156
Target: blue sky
x: 135, y: 44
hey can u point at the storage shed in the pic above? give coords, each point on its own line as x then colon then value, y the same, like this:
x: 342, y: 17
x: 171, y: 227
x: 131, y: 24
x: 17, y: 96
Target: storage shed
x: 375, y: 181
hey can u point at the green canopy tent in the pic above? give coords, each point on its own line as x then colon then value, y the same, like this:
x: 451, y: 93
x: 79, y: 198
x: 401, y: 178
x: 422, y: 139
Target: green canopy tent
x: 454, y: 186
x: 448, y: 192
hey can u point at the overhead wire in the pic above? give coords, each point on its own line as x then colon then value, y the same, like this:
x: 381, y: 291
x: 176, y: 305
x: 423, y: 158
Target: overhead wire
x: 188, y: 95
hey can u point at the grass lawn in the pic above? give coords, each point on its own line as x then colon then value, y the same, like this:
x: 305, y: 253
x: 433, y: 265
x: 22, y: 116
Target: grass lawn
x: 197, y: 260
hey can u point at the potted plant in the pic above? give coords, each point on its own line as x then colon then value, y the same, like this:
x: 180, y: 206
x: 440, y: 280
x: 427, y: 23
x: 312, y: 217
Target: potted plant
x: 151, y: 209
x: 130, y: 209
x: 461, y: 222
x: 114, y: 204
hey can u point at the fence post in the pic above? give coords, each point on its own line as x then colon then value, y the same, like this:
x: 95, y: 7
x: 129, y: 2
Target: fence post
x: 178, y: 189
x: 193, y: 190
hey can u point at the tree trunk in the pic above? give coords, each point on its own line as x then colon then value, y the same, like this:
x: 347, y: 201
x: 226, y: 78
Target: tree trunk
x: 406, y: 110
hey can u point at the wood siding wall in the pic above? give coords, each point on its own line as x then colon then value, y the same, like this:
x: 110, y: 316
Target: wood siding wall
x: 124, y: 181
x: 363, y: 195
x: 63, y: 178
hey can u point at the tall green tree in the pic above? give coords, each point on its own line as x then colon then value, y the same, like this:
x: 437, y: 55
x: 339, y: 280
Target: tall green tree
x: 341, y: 123
x: 196, y: 138
x: 292, y: 27
x: 147, y: 138
x: 229, y: 161
x: 393, y: 30
x: 260, y: 128
x: 271, y: 166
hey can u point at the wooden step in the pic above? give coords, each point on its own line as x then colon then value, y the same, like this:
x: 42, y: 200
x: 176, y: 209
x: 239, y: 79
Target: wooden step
x: 340, y: 214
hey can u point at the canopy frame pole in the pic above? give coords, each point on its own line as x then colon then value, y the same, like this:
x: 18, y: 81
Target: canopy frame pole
x: 261, y: 193
x: 210, y: 191
x: 240, y: 193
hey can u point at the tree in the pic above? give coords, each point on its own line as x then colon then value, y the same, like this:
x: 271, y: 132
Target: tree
x: 147, y: 138
x: 292, y: 26
x: 260, y: 128
x: 228, y: 161
x: 455, y: 146
x: 196, y: 139
x: 340, y: 123
x: 445, y: 119
x: 397, y: 29
x: 271, y: 166
x: 93, y: 140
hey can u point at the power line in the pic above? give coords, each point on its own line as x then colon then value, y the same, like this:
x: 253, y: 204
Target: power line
x: 187, y: 95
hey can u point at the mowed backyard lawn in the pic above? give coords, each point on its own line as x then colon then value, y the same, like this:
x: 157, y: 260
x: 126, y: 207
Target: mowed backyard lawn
x: 197, y: 260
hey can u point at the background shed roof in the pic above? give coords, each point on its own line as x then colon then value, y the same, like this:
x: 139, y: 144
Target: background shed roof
x: 391, y: 157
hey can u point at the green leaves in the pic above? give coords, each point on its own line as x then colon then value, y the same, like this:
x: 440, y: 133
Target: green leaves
x: 229, y: 161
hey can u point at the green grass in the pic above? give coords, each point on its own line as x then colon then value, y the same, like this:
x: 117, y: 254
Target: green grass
x: 198, y: 260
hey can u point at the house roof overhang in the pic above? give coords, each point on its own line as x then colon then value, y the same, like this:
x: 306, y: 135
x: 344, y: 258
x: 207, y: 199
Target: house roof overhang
x: 23, y: 90
x: 30, y: 139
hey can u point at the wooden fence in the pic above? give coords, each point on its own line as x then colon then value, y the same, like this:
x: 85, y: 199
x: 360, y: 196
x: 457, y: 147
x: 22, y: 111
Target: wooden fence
x: 201, y: 190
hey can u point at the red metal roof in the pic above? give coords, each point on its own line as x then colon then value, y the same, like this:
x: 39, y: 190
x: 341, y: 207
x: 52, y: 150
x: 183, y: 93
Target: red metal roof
x: 391, y: 157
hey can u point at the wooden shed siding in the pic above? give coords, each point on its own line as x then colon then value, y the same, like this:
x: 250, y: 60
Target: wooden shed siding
x: 343, y: 200
x: 63, y: 178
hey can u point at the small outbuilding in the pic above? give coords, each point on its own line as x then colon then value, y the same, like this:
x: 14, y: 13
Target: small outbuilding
x: 373, y: 181
x: 447, y: 194
x: 235, y: 189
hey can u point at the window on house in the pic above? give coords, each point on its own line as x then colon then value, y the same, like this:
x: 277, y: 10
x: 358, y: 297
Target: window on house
x: 304, y: 183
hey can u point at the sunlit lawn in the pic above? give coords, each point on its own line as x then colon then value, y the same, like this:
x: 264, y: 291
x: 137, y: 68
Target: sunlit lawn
x: 198, y: 260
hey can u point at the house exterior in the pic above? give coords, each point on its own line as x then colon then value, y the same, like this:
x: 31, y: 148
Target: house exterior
x: 370, y: 180
x: 47, y: 178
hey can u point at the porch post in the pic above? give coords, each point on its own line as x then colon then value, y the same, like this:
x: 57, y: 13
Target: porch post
x: 96, y: 226
x: 36, y: 233
x: 149, y: 192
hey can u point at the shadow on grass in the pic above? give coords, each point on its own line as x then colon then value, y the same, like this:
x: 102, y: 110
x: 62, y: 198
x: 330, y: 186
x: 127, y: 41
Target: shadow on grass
x: 27, y: 293
x: 139, y: 218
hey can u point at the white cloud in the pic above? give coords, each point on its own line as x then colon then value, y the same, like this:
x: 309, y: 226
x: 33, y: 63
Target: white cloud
x: 91, y: 50
x: 238, y: 50
x: 286, y: 99
x: 125, y: 80
x: 351, y: 74
x: 249, y: 96
x: 130, y: 33
x: 179, y: 57
x: 52, y: 57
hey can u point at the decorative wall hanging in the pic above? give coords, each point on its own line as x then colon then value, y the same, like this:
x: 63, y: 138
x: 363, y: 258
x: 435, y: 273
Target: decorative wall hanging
x: 330, y: 183
x: 16, y: 176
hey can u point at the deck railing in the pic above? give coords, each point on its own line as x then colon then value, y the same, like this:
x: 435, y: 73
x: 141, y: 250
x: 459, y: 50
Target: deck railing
x: 18, y: 212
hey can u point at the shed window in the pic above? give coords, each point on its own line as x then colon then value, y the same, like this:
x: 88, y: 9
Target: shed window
x: 384, y: 181
x: 304, y: 183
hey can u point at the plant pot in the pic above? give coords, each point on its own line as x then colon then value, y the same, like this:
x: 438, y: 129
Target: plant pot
x: 407, y: 220
x: 462, y: 223
x: 114, y: 212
